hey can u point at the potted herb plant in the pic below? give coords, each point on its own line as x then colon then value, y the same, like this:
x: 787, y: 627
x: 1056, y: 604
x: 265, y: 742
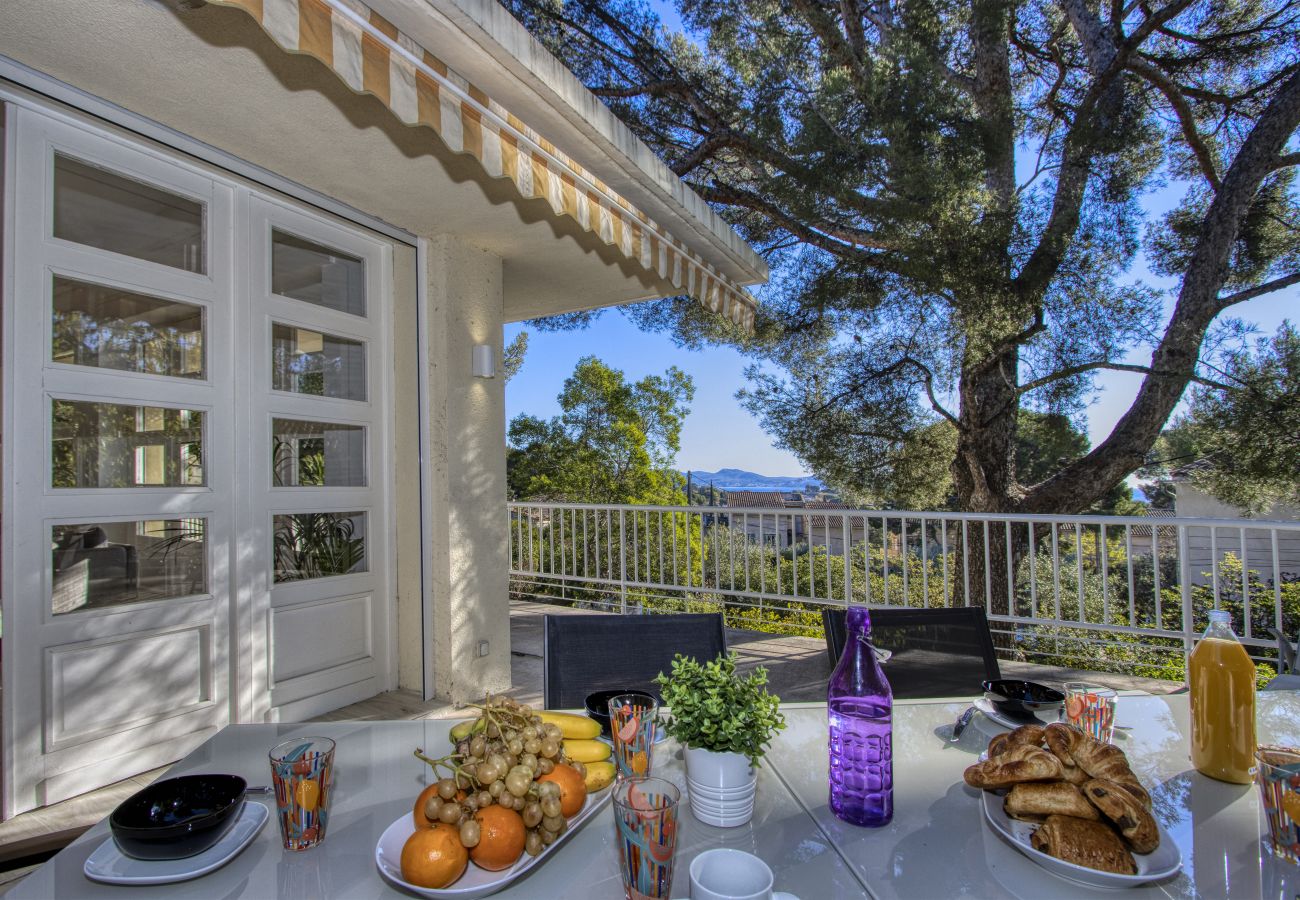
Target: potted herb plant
x: 725, y: 722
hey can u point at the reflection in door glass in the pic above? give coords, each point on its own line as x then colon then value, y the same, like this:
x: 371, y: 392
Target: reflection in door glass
x: 112, y: 328
x: 306, y: 271
x: 113, y: 563
x: 317, y: 454
x: 102, y: 209
x: 319, y: 544
x: 322, y: 365
x: 115, y: 445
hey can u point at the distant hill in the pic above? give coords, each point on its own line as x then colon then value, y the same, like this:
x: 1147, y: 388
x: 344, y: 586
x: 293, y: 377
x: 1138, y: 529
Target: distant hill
x: 740, y: 480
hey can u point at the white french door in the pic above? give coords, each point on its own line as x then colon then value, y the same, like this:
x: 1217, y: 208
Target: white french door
x: 196, y: 433
x: 118, y: 359
x: 315, y: 506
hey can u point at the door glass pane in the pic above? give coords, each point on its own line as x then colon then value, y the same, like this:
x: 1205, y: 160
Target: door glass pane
x: 112, y: 328
x: 317, y: 454
x: 101, y: 209
x: 316, y: 545
x: 115, y: 445
x: 113, y: 563
x: 306, y: 271
x: 323, y: 365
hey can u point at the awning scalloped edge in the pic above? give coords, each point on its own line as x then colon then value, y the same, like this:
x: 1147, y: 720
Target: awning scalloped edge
x: 371, y: 56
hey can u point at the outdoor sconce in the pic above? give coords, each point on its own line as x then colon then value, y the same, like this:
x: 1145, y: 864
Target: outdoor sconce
x: 485, y: 364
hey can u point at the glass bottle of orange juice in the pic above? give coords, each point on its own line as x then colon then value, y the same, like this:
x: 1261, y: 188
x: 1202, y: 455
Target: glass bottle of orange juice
x: 1222, y: 682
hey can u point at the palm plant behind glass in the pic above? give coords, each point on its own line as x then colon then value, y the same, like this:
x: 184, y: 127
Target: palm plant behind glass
x: 314, y: 544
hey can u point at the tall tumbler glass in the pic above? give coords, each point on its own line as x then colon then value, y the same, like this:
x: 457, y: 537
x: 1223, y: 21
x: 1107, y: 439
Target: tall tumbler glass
x: 302, y: 771
x: 645, y: 824
x: 1278, y: 776
x: 632, y: 730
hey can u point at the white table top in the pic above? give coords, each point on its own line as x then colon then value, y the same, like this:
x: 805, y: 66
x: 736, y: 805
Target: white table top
x: 936, y: 846
x: 377, y: 779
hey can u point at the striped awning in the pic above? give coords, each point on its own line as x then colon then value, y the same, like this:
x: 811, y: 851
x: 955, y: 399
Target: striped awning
x: 371, y: 56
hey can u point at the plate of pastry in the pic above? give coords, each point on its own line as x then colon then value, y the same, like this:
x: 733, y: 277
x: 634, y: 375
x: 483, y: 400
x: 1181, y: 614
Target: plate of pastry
x: 1072, y: 804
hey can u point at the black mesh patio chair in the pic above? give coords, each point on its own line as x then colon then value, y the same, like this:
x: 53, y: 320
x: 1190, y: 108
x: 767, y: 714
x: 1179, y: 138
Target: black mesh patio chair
x: 584, y: 654
x: 935, y: 652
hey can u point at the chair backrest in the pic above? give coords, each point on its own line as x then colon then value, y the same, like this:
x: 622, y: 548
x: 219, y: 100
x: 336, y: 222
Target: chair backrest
x: 1286, y: 653
x: 583, y: 654
x: 935, y: 652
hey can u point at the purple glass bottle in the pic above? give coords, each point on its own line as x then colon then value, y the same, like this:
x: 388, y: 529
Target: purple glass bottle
x: 861, y: 705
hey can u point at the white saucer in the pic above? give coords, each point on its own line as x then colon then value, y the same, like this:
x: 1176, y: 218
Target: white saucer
x: 111, y: 866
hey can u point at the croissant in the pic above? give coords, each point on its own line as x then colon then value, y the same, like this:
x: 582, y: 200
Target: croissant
x: 1094, y: 758
x: 1035, y: 802
x: 1025, y: 734
x: 1133, y: 820
x: 1021, y: 763
x: 1084, y: 843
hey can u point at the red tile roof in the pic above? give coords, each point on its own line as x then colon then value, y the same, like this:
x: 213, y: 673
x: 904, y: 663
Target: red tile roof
x: 765, y: 499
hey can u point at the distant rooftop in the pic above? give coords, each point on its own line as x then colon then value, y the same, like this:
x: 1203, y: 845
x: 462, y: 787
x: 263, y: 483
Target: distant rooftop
x: 769, y: 499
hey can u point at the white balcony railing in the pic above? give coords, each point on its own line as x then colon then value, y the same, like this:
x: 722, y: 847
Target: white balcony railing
x: 1100, y: 592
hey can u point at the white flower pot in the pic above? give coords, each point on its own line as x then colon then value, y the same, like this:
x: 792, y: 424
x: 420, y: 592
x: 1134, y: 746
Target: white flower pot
x: 720, y: 787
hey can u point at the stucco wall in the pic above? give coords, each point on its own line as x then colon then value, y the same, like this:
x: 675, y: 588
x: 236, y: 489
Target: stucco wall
x: 469, y: 577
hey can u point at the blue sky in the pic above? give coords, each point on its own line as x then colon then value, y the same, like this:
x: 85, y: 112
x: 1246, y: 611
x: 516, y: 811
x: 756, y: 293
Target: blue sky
x: 718, y: 433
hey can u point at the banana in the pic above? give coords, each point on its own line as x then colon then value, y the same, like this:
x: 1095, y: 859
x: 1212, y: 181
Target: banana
x: 585, y: 751
x: 465, y: 728
x: 599, y: 775
x: 573, y: 727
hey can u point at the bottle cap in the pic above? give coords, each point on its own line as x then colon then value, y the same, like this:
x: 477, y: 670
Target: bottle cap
x: 1220, y: 617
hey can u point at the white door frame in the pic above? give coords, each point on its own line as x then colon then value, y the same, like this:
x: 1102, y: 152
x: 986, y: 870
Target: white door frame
x: 249, y: 698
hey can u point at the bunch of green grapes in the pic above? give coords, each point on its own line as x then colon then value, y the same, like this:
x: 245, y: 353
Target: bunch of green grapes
x: 500, y: 763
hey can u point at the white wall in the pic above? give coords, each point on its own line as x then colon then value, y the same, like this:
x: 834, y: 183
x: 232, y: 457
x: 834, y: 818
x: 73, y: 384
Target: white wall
x: 466, y: 434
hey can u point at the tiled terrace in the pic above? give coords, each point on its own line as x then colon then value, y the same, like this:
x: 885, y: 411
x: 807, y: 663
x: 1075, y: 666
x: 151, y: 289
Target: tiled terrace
x: 797, y: 669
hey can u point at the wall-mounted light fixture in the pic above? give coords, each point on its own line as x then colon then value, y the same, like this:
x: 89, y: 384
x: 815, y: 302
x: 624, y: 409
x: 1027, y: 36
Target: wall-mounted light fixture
x: 485, y: 363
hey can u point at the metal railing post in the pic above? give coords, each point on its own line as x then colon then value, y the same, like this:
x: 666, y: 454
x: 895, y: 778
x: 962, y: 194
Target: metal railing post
x: 622, y: 561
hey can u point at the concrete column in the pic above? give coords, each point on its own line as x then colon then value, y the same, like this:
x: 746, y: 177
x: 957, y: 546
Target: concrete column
x: 467, y: 467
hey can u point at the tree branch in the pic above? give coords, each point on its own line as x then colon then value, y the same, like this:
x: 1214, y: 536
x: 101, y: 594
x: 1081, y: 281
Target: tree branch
x: 1259, y: 290
x: 1081, y: 368
x: 1186, y: 118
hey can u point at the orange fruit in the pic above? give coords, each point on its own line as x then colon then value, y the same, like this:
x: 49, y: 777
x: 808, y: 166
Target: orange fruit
x: 501, y: 838
x: 433, y: 857
x: 307, y: 795
x: 421, y: 820
x: 573, y: 788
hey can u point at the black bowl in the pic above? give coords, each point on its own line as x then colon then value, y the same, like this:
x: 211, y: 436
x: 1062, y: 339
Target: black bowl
x: 597, y: 705
x: 1021, y: 698
x: 177, y: 817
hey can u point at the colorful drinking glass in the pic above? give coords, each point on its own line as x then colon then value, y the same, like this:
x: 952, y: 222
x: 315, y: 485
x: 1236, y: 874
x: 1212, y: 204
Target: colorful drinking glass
x: 1091, y: 708
x: 632, y: 730
x: 645, y: 828
x: 1279, y: 789
x: 302, y: 771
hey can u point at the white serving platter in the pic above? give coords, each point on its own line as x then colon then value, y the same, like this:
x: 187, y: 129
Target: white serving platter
x: 1161, y: 863
x: 111, y: 866
x: 475, y: 882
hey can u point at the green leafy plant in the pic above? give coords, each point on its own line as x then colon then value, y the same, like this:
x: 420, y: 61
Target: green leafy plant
x: 715, y: 709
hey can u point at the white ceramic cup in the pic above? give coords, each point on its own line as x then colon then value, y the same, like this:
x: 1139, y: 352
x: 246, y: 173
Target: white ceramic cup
x: 726, y: 874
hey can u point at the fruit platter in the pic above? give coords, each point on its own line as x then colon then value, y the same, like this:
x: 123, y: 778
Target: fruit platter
x: 515, y: 784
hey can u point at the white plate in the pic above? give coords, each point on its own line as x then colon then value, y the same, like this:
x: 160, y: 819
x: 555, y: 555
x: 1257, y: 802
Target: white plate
x: 475, y: 882
x: 1162, y: 862
x: 111, y: 866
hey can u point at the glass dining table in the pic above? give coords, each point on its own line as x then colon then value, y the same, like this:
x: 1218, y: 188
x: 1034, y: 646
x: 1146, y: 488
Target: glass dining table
x: 937, y: 845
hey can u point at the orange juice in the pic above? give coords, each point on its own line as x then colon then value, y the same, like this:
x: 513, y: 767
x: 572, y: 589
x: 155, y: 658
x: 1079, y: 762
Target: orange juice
x: 1222, y: 682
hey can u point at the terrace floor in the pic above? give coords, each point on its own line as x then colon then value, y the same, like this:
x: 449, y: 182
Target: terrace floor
x: 798, y: 668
